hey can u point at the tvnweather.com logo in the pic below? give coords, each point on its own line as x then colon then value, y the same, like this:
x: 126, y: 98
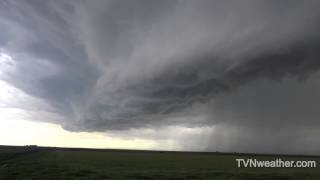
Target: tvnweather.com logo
x: 277, y: 163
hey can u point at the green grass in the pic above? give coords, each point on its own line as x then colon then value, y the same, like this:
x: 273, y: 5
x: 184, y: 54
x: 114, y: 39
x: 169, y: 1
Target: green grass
x: 72, y: 164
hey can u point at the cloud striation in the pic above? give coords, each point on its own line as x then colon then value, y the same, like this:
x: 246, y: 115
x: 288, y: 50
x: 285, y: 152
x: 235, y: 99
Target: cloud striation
x: 249, y: 70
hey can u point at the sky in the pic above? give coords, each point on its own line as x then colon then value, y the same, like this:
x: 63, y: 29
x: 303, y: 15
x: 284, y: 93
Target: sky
x: 207, y: 75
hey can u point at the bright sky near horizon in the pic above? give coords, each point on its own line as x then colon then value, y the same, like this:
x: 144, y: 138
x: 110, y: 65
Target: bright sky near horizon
x: 48, y: 134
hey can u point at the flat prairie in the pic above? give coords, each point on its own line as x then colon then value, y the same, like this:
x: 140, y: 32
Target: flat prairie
x: 31, y: 162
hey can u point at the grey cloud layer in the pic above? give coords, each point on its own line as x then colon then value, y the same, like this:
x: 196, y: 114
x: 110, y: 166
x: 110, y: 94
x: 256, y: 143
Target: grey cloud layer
x: 118, y: 65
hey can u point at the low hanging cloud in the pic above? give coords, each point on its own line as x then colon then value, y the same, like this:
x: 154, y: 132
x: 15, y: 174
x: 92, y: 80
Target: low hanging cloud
x: 249, y: 68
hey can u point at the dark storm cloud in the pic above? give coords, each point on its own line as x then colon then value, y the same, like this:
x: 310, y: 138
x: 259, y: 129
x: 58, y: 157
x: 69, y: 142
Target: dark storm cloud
x: 49, y: 64
x: 168, y: 93
x: 116, y: 65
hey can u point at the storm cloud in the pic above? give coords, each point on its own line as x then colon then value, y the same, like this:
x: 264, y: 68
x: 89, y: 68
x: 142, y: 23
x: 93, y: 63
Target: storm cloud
x: 247, y: 69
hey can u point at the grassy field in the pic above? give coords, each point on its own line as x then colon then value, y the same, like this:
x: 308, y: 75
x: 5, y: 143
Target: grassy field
x: 58, y: 163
